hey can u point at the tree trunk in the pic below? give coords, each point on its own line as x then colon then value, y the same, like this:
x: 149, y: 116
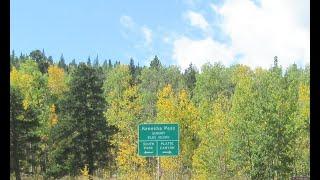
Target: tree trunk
x: 43, y: 162
x: 90, y: 157
x: 17, y: 168
x: 16, y: 165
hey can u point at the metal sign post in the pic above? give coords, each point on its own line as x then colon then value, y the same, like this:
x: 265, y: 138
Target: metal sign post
x: 158, y: 169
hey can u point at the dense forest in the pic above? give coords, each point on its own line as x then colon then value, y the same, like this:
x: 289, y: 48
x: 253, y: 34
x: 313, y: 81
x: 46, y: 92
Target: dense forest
x: 80, y: 119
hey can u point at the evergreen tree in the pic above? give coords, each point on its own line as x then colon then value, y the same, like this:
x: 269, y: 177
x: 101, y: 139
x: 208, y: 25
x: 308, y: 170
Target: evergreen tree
x: 41, y: 60
x: 22, y: 57
x: 116, y: 64
x: 110, y: 63
x: 62, y: 63
x: 132, y: 71
x: 132, y: 66
x: 81, y: 138
x: 12, y: 54
x: 96, y: 62
x: 155, y: 63
x: 275, y: 62
x: 190, y: 78
x: 12, y: 59
x: 50, y: 60
x: 16, y: 109
x: 105, y: 64
x: 138, y: 70
x: 37, y: 55
x: 89, y: 61
x: 23, y: 123
x: 73, y: 63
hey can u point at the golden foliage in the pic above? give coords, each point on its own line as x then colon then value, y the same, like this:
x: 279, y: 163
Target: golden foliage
x: 22, y: 81
x: 53, y: 115
x: 127, y: 157
x: 304, y: 100
x: 212, y: 157
x: 179, y: 109
x: 56, y: 80
x: 124, y: 113
x: 85, y: 172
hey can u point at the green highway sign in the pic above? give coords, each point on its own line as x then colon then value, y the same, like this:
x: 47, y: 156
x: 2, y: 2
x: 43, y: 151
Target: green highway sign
x: 158, y: 140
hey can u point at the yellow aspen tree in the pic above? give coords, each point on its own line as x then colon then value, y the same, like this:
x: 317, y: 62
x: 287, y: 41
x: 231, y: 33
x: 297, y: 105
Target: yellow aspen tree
x: 124, y: 113
x: 177, y: 108
x: 32, y: 84
x: 302, y: 123
x: 212, y: 157
x: 24, y: 82
x: 57, y: 80
x: 188, y: 117
x: 167, y: 113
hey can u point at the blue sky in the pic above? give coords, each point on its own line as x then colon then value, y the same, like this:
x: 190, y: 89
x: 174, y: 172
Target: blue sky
x: 81, y: 28
x: 178, y: 31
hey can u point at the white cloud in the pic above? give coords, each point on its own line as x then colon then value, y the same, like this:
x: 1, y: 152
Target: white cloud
x: 147, y: 33
x: 260, y: 33
x: 135, y: 31
x: 127, y: 21
x: 197, y: 20
x: 200, y: 51
x: 274, y: 28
